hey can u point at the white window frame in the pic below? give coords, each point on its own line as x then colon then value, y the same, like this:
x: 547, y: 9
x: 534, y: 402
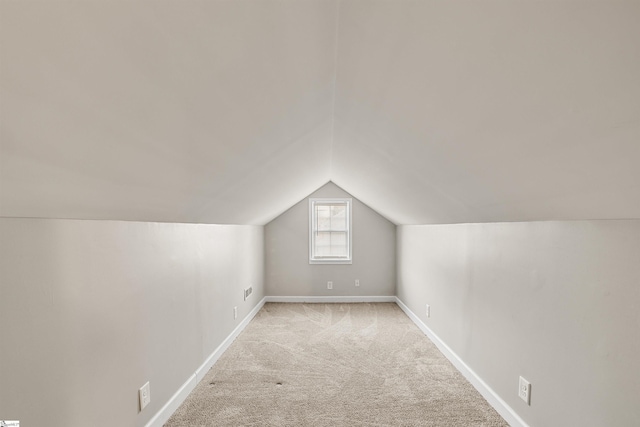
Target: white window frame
x: 313, y: 259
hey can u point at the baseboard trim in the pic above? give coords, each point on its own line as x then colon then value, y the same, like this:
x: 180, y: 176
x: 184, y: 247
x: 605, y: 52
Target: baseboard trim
x: 213, y: 358
x: 330, y: 299
x: 163, y: 415
x: 487, y: 392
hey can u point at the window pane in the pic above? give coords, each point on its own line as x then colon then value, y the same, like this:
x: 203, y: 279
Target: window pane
x: 323, y: 244
x: 339, y: 244
x: 323, y: 217
x: 338, y: 217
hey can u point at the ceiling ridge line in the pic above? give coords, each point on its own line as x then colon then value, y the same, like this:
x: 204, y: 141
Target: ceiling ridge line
x: 333, y: 91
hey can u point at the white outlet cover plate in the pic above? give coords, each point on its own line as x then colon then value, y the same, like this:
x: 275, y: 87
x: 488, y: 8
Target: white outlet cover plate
x: 524, y: 390
x: 145, y: 395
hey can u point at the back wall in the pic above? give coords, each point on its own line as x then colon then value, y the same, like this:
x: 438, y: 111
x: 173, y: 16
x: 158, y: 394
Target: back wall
x: 287, y: 268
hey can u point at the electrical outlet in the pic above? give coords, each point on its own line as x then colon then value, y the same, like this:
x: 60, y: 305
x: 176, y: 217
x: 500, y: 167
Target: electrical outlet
x: 524, y: 390
x: 329, y: 285
x: 428, y: 311
x: 357, y: 282
x: 145, y: 395
x: 235, y: 312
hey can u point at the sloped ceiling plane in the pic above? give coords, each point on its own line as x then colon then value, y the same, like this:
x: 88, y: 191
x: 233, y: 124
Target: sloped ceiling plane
x: 232, y: 111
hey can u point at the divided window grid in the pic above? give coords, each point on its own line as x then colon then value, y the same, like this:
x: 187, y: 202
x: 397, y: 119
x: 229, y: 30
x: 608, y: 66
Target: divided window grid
x: 330, y: 231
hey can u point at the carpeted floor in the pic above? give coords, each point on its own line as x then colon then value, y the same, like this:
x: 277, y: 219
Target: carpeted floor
x: 333, y: 365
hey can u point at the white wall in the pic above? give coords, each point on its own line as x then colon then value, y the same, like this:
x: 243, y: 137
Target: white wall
x: 287, y: 268
x: 173, y: 111
x: 463, y: 111
x: 91, y: 310
x: 555, y: 302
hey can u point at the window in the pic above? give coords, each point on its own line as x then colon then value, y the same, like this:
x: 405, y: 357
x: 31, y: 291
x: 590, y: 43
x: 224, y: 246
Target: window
x: 330, y: 231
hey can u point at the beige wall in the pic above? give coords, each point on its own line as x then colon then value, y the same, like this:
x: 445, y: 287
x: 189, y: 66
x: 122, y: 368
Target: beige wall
x: 287, y: 268
x: 555, y: 302
x: 91, y: 310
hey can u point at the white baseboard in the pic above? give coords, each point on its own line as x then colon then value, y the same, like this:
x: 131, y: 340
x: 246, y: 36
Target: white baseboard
x: 332, y: 299
x: 487, y: 392
x: 211, y: 360
x: 163, y: 415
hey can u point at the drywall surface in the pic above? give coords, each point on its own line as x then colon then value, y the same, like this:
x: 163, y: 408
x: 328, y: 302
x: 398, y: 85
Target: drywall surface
x: 555, y: 302
x: 230, y: 112
x: 173, y: 111
x: 91, y: 310
x: 464, y: 111
x: 287, y: 268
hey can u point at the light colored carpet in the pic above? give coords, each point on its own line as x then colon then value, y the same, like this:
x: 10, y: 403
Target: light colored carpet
x: 333, y: 365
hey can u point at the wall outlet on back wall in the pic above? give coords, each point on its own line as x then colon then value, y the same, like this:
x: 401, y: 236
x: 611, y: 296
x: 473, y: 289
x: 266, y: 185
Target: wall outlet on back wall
x: 329, y: 285
x: 428, y: 310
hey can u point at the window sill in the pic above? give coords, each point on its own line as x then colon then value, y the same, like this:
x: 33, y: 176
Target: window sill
x: 330, y: 261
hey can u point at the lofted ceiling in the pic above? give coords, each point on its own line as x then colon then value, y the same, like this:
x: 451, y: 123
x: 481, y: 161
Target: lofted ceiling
x: 217, y: 111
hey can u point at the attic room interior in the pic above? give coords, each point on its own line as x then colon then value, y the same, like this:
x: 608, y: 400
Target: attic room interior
x: 159, y: 158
